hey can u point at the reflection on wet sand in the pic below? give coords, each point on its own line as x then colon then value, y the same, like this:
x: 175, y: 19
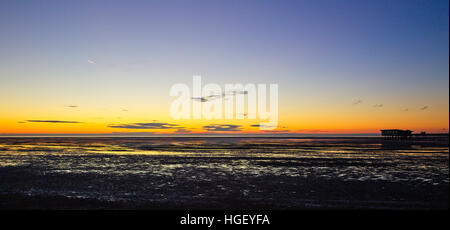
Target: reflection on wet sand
x: 224, y: 172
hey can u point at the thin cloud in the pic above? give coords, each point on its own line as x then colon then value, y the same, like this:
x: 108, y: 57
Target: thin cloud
x: 206, y: 98
x: 216, y: 127
x: 406, y: 110
x: 182, y: 131
x: 357, y: 102
x: 133, y: 133
x: 73, y: 106
x: 264, y: 126
x: 218, y: 96
x: 234, y: 92
x: 424, y: 108
x: 91, y: 61
x: 52, y: 121
x: 152, y: 125
x: 199, y: 99
x: 378, y: 105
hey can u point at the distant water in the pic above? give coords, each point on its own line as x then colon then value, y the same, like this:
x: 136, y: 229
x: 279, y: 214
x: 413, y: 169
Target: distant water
x: 224, y: 172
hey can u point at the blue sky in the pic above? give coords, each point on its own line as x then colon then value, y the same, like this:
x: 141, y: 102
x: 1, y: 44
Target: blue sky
x: 377, y: 51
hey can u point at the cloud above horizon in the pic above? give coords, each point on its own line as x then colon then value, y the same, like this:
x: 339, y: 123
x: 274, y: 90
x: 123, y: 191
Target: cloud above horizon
x: 182, y: 131
x: 52, y: 121
x: 131, y: 133
x: 223, y: 127
x: 357, y: 102
x: 218, y: 96
x: 378, y: 105
x: 265, y: 126
x: 424, y: 108
x: 151, y: 125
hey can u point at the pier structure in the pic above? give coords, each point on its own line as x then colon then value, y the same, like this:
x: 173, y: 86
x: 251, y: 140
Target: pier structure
x: 396, y: 134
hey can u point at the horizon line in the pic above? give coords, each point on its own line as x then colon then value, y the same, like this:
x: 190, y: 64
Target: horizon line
x: 182, y: 135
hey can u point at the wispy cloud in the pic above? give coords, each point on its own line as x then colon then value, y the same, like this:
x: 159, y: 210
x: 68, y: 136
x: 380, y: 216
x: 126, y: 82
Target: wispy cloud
x: 152, y: 125
x: 264, y: 126
x: 73, y: 106
x: 216, y: 127
x: 218, y: 96
x: 378, y: 105
x: 406, y: 110
x: 424, y: 107
x: 206, y: 98
x: 91, y: 61
x: 182, y: 131
x: 357, y: 102
x: 234, y: 92
x: 52, y: 121
x: 132, y: 133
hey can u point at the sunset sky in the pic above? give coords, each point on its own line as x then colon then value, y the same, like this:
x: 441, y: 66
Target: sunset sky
x: 95, y: 67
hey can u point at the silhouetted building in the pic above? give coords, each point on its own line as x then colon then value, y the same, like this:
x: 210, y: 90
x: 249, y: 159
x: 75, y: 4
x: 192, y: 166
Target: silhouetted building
x: 396, y: 133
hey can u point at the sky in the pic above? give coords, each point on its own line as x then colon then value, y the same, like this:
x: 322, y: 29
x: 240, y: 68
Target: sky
x: 99, y: 67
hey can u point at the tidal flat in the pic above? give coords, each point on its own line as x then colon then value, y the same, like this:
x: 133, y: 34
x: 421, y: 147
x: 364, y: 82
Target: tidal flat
x: 223, y: 173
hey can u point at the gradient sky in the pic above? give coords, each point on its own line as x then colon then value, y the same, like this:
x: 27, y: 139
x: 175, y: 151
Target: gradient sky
x: 341, y: 66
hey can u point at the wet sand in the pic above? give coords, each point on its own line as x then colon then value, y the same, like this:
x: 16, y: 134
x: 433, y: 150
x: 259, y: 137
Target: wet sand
x: 222, y: 173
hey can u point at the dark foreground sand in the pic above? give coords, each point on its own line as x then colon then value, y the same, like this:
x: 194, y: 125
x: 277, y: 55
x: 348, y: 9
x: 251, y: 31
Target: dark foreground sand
x: 291, y: 194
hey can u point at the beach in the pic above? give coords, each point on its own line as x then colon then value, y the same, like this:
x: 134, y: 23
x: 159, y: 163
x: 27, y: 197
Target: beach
x: 223, y: 173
